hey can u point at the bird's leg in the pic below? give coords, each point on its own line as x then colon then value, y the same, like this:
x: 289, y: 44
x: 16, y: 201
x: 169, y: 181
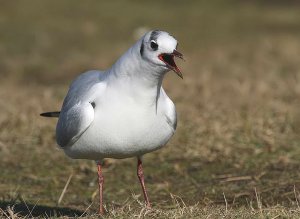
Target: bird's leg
x: 140, y: 175
x: 101, y: 181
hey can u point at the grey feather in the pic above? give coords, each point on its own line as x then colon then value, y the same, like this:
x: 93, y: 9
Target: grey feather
x: 154, y: 35
x: 77, y: 112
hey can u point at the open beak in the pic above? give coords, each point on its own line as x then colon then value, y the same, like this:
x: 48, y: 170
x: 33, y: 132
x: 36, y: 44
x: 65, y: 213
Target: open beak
x: 168, y: 59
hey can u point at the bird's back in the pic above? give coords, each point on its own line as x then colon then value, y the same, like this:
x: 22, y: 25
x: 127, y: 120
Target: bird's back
x: 82, y: 87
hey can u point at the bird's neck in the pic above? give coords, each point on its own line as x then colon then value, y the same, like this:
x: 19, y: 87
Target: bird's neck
x: 131, y: 73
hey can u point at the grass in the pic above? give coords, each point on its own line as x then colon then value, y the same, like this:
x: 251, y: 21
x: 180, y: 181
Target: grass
x: 236, y: 151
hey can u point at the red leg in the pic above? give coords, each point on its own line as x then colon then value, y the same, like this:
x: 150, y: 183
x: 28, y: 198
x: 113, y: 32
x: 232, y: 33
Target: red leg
x: 101, y: 181
x: 140, y: 175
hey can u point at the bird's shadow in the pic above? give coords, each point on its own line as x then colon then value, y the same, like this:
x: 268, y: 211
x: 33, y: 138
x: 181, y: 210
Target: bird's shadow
x: 24, y: 209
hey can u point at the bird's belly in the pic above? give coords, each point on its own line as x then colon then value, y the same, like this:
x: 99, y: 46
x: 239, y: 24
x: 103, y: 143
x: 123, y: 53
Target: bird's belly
x: 122, y: 136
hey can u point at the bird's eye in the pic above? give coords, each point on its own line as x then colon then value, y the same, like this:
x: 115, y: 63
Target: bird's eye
x: 154, y: 45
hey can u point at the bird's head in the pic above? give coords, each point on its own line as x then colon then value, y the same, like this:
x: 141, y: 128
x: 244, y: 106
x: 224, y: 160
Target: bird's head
x: 159, y: 48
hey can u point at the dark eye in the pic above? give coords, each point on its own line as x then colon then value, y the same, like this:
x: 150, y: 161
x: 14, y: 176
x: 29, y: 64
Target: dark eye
x: 154, y: 45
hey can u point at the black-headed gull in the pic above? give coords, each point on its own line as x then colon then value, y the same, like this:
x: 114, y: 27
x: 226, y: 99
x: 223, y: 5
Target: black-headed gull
x: 124, y: 111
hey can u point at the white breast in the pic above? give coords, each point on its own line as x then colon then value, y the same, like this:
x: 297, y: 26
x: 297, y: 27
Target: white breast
x: 124, y: 128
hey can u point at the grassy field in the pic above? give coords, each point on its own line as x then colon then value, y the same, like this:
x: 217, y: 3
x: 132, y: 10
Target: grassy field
x: 236, y: 152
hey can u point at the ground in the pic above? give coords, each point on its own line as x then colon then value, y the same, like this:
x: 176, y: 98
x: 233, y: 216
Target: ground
x: 236, y: 150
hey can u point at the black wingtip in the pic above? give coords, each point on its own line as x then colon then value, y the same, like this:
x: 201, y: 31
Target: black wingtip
x: 50, y: 114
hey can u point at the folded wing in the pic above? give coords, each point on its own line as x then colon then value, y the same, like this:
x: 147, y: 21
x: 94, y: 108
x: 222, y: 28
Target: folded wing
x: 73, y: 123
x: 77, y: 112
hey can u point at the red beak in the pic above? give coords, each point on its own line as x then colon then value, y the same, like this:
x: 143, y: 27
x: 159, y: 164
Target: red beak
x: 168, y: 59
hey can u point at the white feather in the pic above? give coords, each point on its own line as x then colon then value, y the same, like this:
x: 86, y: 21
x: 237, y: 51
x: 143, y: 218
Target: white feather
x: 132, y: 114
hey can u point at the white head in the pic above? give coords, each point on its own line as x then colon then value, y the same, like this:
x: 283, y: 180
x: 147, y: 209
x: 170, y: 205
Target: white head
x: 159, y: 48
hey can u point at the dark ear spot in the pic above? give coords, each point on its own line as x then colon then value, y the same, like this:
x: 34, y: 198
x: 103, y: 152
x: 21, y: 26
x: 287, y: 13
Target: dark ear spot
x: 154, y: 35
x: 142, y: 48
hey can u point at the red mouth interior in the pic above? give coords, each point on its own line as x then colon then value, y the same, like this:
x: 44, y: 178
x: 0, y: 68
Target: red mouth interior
x: 168, y: 59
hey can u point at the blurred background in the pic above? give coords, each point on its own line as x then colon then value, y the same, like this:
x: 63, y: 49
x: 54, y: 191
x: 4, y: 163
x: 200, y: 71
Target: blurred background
x: 238, y: 105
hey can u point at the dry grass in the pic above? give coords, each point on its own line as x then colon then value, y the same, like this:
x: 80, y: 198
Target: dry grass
x: 236, y: 151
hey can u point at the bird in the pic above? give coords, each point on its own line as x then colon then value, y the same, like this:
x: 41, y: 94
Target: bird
x: 121, y: 112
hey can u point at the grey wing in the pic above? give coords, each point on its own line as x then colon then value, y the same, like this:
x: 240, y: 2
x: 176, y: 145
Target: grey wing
x: 171, y: 116
x: 77, y: 112
x: 73, y: 123
x: 170, y: 111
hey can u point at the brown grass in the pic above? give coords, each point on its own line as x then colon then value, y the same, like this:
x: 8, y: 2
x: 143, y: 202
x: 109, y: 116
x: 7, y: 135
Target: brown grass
x: 236, y: 151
